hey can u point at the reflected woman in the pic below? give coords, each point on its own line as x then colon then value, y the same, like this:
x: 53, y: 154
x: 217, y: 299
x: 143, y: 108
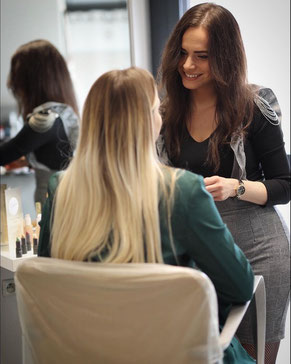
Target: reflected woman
x: 41, y: 84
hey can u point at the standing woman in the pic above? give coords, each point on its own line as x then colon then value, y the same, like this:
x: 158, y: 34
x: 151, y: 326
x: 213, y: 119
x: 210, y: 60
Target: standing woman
x: 217, y: 125
x: 41, y: 84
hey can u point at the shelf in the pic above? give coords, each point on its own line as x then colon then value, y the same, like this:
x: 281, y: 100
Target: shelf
x: 9, y: 260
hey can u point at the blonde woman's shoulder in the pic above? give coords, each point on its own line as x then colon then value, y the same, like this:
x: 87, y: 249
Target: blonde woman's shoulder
x: 189, y: 180
x: 182, y: 183
x: 190, y: 193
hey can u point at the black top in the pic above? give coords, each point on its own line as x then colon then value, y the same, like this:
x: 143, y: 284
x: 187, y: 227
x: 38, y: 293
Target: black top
x: 51, y: 148
x: 266, y: 158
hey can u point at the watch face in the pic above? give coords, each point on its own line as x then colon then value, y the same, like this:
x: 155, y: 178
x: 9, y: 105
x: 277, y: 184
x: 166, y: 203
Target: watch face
x: 241, y: 190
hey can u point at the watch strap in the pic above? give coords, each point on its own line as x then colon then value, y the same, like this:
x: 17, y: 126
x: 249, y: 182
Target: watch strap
x: 240, y: 190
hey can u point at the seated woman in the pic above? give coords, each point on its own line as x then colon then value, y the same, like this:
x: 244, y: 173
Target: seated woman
x: 117, y: 203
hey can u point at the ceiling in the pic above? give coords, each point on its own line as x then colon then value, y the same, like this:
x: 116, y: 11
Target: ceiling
x: 84, y: 5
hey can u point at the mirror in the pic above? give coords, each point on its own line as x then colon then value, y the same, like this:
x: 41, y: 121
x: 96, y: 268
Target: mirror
x: 97, y: 40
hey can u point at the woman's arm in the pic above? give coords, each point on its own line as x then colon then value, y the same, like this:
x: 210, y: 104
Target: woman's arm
x: 26, y: 141
x: 222, y: 188
x: 208, y: 241
x: 18, y: 163
x: 18, y: 146
x: 266, y: 138
x: 269, y: 148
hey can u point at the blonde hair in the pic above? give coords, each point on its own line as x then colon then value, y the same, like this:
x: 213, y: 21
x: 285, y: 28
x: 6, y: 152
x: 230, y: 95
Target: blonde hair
x: 107, y: 200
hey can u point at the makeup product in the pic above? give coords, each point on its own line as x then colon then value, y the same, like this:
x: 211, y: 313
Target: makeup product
x: 38, y: 218
x: 38, y: 208
x: 28, y: 241
x: 23, y: 245
x: 35, y: 246
x: 28, y: 226
x: 37, y: 226
x: 18, y: 248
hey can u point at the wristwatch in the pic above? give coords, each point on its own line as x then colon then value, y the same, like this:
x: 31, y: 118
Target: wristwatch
x: 240, y: 190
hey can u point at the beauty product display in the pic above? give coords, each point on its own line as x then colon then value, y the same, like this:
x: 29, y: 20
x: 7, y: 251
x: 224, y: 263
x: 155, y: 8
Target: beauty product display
x: 19, y: 234
x: 24, y: 245
x: 11, y: 217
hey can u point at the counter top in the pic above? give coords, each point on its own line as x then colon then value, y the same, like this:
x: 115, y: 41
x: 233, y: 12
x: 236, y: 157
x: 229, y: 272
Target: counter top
x: 10, y: 262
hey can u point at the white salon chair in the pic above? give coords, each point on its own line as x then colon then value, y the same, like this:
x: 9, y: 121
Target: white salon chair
x: 77, y: 312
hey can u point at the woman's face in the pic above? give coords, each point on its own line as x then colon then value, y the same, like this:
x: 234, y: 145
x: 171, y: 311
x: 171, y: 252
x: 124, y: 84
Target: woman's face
x: 157, y: 117
x: 194, y: 65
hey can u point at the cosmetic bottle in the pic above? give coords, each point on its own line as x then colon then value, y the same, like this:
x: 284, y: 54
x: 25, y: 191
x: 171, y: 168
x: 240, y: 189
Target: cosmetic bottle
x: 38, y: 208
x: 37, y: 226
x: 38, y: 218
x: 18, y: 248
x: 35, y: 246
x: 28, y: 226
x: 28, y: 241
x: 23, y: 245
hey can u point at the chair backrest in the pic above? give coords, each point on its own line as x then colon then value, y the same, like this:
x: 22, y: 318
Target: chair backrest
x: 78, y: 312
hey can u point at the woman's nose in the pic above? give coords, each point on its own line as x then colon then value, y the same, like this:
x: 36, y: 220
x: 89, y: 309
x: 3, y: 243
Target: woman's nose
x: 189, y: 63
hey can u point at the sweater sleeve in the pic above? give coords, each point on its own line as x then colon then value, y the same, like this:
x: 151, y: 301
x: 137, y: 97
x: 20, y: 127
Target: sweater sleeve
x: 20, y: 145
x: 207, y: 239
x: 27, y: 140
x: 267, y: 139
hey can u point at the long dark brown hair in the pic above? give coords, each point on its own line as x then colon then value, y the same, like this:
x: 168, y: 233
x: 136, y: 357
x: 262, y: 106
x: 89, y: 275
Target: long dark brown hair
x: 227, y: 60
x: 38, y: 74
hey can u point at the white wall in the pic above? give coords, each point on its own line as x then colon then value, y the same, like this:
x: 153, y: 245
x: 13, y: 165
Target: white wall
x: 139, y: 28
x: 23, y: 21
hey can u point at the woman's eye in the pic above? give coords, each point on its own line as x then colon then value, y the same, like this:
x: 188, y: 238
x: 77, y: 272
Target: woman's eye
x: 182, y: 52
x: 203, y: 56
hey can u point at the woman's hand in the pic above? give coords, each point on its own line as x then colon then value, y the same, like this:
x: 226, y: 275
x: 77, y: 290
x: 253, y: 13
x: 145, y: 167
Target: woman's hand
x: 19, y: 163
x: 221, y: 188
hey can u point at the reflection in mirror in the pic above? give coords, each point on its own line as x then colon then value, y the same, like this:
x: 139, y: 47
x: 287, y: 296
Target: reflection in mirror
x: 97, y: 37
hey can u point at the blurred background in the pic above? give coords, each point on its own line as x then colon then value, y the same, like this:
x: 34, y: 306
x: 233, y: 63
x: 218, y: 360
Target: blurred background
x: 99, y: 35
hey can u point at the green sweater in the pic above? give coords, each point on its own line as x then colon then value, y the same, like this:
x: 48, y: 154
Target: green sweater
x: 201, y: 241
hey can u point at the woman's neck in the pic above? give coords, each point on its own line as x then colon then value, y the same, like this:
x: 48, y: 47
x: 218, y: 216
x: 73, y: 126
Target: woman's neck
x: 203, y: 98
x: 202, y: 119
